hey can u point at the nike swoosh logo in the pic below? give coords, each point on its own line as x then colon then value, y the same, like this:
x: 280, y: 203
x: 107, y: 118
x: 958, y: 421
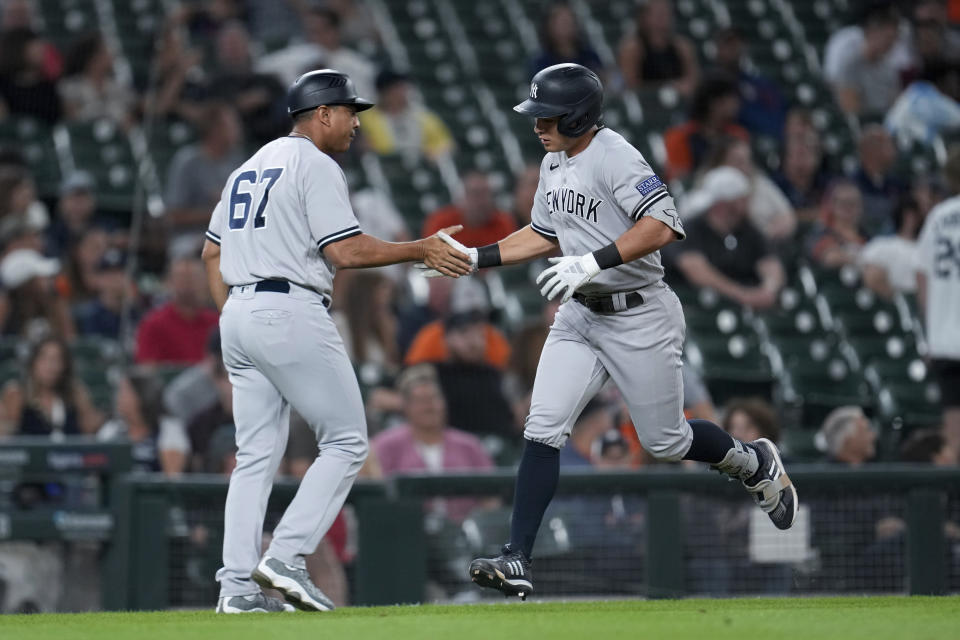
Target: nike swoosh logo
x: 553, y: 166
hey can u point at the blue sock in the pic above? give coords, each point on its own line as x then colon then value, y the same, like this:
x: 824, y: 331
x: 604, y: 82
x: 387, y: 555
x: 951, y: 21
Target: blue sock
x: 710, y: 442
x: 536, y: 483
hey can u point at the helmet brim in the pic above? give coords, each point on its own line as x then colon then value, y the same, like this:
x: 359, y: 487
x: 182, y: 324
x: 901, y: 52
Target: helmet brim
x: 359, y: 104
x: 531, y: 107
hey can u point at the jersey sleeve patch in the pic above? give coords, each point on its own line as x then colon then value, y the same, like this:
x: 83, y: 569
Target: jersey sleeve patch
x: 649, y: 185
x: 548, y: 233
x: 214, y: 238
x: 343, y: 234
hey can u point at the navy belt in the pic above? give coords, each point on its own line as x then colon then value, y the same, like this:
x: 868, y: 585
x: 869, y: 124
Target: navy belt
x: 609, y: 303
x: 281, y: 286
x: 277, y: 286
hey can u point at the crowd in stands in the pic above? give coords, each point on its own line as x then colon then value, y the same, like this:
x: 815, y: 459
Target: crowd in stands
x: 446, y: 381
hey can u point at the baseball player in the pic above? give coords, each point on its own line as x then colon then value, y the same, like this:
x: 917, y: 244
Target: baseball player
x: 938, y: 291
x: 282, y: 227
x: 610, y: 214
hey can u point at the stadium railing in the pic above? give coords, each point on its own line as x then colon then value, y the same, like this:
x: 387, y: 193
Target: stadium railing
x: 660, y: 532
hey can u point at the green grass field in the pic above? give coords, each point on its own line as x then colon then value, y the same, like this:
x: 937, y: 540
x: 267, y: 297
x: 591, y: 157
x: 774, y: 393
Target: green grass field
x: 913, y: 618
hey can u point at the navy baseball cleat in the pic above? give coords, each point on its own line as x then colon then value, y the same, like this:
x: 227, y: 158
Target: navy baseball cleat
x: 256, y: 603
x: 771, y: 486
x: 293, y: 582
x: 508, y: 573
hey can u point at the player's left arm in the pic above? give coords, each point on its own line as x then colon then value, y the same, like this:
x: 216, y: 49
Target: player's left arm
x: 211, y: 260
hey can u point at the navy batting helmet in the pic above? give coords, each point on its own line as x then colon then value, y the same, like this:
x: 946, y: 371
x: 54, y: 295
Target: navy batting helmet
x: 570, y: 91
x: 323, y: 87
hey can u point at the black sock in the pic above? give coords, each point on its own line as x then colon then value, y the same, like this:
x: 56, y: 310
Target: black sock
x: 536, y: 483
x: 710, y: 442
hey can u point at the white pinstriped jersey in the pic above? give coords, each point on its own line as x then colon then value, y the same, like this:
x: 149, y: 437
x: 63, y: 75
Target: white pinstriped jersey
x: 278, y: 211
x: 588, y: 201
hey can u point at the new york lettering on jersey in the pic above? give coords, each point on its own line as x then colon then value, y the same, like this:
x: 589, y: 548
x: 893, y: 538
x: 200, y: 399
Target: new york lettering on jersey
x: 566, y: 200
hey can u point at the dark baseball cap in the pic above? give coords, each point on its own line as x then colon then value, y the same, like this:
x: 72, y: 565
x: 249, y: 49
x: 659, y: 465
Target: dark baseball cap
x: 389, y: 77
x: 463, y: 319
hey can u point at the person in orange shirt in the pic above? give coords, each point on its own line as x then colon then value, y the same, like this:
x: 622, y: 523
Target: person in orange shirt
x: 477, y: 211
x: 713, y: 115
x: 431, y: 344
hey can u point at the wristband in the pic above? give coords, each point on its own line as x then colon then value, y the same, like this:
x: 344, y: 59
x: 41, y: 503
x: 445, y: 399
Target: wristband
x: 608, y: 257
x: 489, y: 256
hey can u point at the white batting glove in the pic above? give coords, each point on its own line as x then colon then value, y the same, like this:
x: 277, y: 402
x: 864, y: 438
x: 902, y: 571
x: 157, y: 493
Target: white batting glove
x: 427, y: 272
x: 568, y: 274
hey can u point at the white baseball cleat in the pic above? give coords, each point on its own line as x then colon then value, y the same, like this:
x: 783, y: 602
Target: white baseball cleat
x: 256, y: 603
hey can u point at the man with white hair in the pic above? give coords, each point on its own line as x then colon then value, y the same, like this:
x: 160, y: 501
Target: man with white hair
x: 847, y: 437
x: 724, y: 250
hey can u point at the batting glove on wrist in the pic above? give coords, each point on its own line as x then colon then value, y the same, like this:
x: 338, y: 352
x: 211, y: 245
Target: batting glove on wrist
x: 567, y: 274
x: 427, y: 272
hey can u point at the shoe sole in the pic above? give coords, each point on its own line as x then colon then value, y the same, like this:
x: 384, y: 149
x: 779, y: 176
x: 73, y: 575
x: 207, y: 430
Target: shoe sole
x: 233, y: 610
x: 290, y: 588
x: 772, y: 448
x: 484, y: 574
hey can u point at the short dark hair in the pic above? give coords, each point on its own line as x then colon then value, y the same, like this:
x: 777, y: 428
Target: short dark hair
x: 760, y: 413
x: 713, y: 86
x: 303, y: 116
x: 329, y: 15
x: 879, y: 13
x: 922, y: 446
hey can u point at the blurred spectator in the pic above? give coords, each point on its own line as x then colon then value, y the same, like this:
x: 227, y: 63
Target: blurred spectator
x: 798, y: 124
x: 197, y: 176
x: 158, y: 441
x: 357, y: 24
x: 75, y: 211
x: 78, y: 282
x: 25, y: 87
x: 524, y: 193
x: 367, y: 322
x: 848, y: 40
x: 929, y: 106
x: 103, y: 317
x: 723, y: 250
x: 933, y: 38
x: 802, y: 177
x: 34, y: 307
x: 928, y: 446
x: 426, y: 441
x: 882, y: 260
x: 50, y: 401
x: 762, y: 105
x: 89, y: 89
x: 594, y: 422
x: 379, y: 217
x: 466, y: 376
x: 879, y: 185
x: 208, y: 431
x: 655, y: 53
x: 476, y: 210
x: 21, y: 14
x: 19, y: 207
x: 938, y: 295
x: 867, y: 80
x: 748, y: 419
x: 177, y: 332
x: 770, y: 211
x: 467, y: 302
x: 400, y: 124
x: 712, y: 116
x: 174, y: 63
x: 837, y: 239
x: 195, y: 389
x: 259, y: 98
x: 323, y: 48
x: 562, y: 41
x: 847, y: 437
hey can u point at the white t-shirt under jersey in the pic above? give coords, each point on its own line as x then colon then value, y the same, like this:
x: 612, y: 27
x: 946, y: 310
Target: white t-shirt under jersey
x: 938, y: 256
x: 278, y: 211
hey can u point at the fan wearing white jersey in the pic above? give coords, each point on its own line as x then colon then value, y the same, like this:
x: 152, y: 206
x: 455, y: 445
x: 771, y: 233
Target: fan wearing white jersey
x: 938, y: 291
x: 281, y: 229
x: 610, y: 214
